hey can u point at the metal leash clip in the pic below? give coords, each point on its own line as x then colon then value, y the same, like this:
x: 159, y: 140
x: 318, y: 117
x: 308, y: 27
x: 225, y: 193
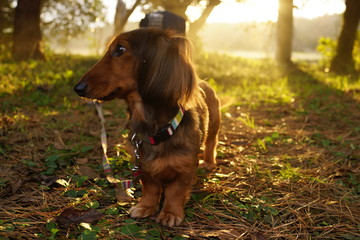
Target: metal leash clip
x: 136, y: 171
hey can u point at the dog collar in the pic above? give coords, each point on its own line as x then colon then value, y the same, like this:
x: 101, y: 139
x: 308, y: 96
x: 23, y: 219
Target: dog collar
x: 166, y: 132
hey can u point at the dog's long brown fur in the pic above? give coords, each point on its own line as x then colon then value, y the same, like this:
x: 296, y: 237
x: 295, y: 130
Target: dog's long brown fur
x: 153, y: 71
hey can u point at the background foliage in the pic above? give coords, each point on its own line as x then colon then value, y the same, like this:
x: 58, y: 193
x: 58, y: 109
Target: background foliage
x: 61, y: 20
x: 327, y: 48
x: 67, y: 19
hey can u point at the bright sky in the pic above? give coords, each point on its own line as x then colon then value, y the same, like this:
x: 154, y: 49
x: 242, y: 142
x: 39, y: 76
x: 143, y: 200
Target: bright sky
x: 230, y: 11
x: 266, y: 10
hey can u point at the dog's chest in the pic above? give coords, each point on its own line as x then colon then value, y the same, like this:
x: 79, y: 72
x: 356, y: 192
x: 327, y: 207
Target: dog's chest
x: 160, y: 170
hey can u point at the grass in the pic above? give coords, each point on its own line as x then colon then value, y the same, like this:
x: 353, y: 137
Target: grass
x: 245, y: 80
x: 288, y: 156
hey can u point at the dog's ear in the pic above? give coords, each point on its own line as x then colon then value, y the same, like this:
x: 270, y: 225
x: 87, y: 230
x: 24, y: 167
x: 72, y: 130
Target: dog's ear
x: 166, y: 74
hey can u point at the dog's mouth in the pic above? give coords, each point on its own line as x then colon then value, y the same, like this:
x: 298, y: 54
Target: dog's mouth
x: 117, y: 93
x: 114, y: 94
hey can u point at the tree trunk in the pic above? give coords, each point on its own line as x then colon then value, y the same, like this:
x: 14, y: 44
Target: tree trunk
x: 27, y: 34
x: 177, y: 7
x: 343, y: 62
x: 6, y: 22
x: 284, y: 32
x: 197, y: 25
x: 2, y: 22
x: 122, y: 15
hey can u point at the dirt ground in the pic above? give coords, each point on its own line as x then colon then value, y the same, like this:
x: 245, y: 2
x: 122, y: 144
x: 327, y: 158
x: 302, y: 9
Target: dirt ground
x: 282, y: 174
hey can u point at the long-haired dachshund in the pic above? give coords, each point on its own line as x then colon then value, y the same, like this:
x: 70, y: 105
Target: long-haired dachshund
x: 171, y: 114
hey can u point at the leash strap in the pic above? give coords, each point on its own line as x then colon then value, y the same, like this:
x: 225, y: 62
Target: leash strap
x: 125, y: 184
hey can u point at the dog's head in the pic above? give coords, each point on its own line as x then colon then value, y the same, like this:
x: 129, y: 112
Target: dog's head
x: 155, y: 63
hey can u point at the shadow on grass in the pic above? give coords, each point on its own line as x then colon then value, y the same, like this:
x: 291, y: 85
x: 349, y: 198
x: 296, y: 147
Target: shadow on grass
x: 331, y: 115
x: 334, y: 108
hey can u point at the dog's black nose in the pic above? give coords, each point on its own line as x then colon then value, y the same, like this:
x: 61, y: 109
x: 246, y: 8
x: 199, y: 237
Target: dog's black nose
x: 80, y: 89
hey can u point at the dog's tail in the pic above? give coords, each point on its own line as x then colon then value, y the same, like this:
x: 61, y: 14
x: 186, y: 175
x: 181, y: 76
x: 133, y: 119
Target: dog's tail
x: 226, y: 101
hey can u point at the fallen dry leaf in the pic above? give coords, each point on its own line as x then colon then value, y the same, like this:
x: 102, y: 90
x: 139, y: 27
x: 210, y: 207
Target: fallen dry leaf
x: 85, y: 170
x: 88, y: 171
x: 48, y: 180
x: 58, y: 142
x: 82, y: 161
x: 121, y: 195
x: 73, y: 216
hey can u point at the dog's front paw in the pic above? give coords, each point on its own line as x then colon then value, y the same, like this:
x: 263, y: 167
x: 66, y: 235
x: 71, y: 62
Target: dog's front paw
x: 139, y: 211
x: 170, y: 219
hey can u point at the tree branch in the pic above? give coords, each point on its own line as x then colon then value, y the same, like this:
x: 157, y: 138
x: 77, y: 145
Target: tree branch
x: 196, y: 25
x: 120, y: 21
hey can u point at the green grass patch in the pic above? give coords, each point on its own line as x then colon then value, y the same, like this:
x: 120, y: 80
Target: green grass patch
x: 287, y: 158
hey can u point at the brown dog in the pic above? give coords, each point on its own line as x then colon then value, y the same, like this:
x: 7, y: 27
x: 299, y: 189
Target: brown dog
x: 172, y: 114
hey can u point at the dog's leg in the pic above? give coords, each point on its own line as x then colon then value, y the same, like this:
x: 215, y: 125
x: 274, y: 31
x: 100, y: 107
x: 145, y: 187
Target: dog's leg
x: 212, y: 138
x: 213, y: 126
x: 210, y: 153
x: 176, y: 195
x: 149, y: 203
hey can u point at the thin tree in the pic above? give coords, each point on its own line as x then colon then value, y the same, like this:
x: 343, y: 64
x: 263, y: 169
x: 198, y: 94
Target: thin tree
x: 179, y: 8
x: 197, y: 25
x: 343, y: 62
x: 284, y: 35
x: 27, y: 33
x: 176, y: 7
x: 122, y: 15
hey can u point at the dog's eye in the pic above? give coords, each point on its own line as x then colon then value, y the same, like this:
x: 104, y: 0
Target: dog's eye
x: 119, y: 50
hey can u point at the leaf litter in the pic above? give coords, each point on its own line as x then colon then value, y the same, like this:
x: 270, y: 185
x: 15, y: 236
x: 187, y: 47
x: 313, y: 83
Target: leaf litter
x: 282, y: 174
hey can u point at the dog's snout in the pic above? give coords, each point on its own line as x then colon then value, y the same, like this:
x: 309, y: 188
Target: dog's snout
x: 80, y: 89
